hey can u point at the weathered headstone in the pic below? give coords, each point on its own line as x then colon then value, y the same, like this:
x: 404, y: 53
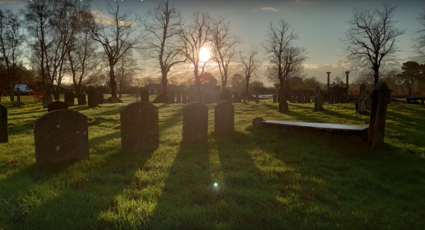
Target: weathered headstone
x: 144, y: 96
x: 18, y: 102
x: 195, y: 122
x: 139, y: 126
x: 81, y: 99
x: 4, y: 136
x: 380, y: 99
x: 69, y: 98
x: 361, y: 102
x: 257, y: 122
x: 318, y: 99
x: 56, y: 105
x: 224, y: 117
x: 257, y: 99
x: 100, y: 99
x: 46, y: 100
x: 283, y: 105
x: 60, y: 136
x: 92, y: 98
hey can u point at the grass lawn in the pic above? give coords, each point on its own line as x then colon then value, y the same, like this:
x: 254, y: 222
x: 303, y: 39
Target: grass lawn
x: 266, y: 178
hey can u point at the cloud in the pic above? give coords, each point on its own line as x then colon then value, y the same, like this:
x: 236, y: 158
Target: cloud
x: 304, y: 3
x: 12, y: 2
x: 267, y: 9
x: 102, y: 18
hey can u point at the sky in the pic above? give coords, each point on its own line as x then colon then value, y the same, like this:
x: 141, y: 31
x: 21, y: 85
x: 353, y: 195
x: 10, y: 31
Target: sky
x: 320, y: 24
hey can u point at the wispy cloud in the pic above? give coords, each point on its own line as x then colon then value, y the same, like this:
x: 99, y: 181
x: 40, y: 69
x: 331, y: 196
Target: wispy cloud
x: 102, y: 18
x: 302, y: 2
x: 12, y: 2
x: 267, y: 9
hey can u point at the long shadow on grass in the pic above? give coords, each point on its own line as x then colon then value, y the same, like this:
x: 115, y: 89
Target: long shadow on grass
x: 188, y: 194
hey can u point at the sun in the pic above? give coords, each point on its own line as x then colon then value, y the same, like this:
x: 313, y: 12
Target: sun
x: 204, y: 54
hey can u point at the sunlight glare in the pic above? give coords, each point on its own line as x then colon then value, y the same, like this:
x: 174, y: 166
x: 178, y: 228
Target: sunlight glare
x: 204, y: 54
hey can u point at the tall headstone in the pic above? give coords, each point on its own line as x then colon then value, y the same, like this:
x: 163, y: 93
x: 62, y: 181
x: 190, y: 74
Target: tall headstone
x: 318, y: 99
x: 224, y: 117
x: 100, y: 99
x: 195, y: 122
x: 92, y: 97
x: 139, y: 126
x: 4, y: 136
x: 81, y: 99
x: 69, y: 98
x: 380, y: 99
x: 144, y: 96
x: 60, y: 136
x: 56, y: 105
x: 18, y: 102
x: 257, y: 99
x: 283, y: 105
x: 46, y: 100
x: 361, y: 101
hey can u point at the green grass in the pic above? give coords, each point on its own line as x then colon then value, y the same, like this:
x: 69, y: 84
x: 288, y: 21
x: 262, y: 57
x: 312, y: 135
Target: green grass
x: 267, y: 178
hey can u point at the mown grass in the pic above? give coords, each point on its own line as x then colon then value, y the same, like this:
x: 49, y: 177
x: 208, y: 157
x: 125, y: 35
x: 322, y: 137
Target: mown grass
x: 267, y: 178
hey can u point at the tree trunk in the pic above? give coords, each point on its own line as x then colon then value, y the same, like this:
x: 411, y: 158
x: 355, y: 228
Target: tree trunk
x: 247, y: 86
x: 113, y: 83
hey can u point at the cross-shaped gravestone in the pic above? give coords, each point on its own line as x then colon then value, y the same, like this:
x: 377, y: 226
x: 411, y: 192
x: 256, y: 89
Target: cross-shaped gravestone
x: 380, y: 99
x: 4, y: 136
x: 60, y: 136
x: 18, y: 102
x: 139, y: 126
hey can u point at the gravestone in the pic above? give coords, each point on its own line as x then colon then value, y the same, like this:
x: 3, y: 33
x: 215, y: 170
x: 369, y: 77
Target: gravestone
x: 195, y: 122
x: 178, y: 98
x: 171, y: 98
x: 144, y: 96
x: 257, y: 99
x: 81, y: 99
x: 61, y: 136
x: 318, y: 100
x: 184, y: 98
x: 69, y: 98
x: 361, y: 102
x: 4, y: 136
x: 274, y: 98
x: 18, y: 102
x: 139, y: 126
x: 283, y: 105
x: 92, y: 98
x: 46, y: 100
x: 99, y: 97
x: 380, y: 99
x: 56, y: 96
x: 257, y: 122
x: 56, y: 105
x: 224, y: 117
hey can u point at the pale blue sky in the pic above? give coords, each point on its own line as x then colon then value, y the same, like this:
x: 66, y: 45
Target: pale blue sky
x: 320, y: 23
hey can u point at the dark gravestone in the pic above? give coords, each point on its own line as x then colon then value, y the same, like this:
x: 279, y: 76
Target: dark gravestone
x: 318, y: 99
x: 46, y: 100
x: 195, y: 122
x: 56, y: 105
x: 257, y: 122
x: 283, y: 105
x: 380, y: 99
x: 139, y: 126
x: 178, y: 98
x: 4, y: 136
x: 144, y: 96
x: 100, y: 99
x: 81, y: 99
x: 56, y: 96
x: 69, y: 98
x: 171, y: 98
x: 93, y: 99
x: 18, y: 102
x: 184, y: 98
x: 257, y: 99
x: 224, y: 117
x: 61, y: 136
x: 274, y: 98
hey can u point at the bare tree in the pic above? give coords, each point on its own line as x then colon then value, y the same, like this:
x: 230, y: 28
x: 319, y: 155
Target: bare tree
x: 370, y: 40
x: 125, y: 71
x: 195, y: 36
x: 285, y: 59
x: 223, y: 46
x: 419, y: 45
x: 250, y: 63
x: 163, y: 43
x: 11, y: 40
x: 117, y: 35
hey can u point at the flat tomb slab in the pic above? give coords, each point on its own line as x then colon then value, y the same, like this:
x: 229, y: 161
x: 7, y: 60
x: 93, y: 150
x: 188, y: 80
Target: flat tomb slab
x: 326, y: 127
